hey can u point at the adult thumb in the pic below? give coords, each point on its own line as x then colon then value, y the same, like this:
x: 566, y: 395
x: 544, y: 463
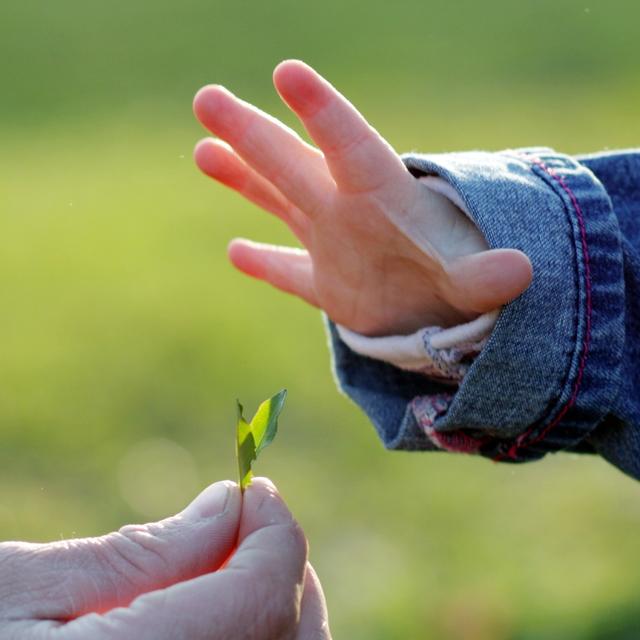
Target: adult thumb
x: 256, y: 596
x: 74, y: 577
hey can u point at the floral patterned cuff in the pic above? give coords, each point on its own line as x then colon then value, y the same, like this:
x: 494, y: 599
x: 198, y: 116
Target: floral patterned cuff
x: 444, y: 355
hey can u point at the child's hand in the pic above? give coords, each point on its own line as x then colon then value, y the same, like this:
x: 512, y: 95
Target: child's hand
x: 348, y: 203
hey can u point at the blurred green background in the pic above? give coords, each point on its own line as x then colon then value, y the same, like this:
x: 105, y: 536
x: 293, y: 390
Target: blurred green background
x: 125, y: 337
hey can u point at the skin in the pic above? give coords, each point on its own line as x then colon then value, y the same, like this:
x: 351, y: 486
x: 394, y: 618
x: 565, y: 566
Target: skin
x: 225, y: 568
x: 348, y: 201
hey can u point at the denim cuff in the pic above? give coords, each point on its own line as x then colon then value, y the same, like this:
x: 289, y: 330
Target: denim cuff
x: 551, y: 368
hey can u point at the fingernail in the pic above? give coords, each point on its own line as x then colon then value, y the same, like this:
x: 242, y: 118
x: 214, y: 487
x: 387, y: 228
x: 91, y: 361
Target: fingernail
x: 213, y: 501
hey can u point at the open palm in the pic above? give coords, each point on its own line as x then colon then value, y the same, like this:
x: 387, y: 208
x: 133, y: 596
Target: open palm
x: 355, y: 208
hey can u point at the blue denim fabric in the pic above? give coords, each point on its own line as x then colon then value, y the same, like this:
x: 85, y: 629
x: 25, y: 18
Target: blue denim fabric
x: 561, y: 368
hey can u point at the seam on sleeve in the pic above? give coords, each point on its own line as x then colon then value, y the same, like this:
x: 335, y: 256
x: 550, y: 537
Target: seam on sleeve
x: 466, y: 443
x: 524, y: 440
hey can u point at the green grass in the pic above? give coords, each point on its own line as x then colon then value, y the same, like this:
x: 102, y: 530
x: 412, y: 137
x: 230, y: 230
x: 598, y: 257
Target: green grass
x: 125, y: 337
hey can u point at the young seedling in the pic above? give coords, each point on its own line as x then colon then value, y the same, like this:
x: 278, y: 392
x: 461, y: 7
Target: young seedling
x: 252, y: 437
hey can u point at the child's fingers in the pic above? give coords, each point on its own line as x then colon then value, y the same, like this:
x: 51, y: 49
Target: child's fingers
x: 358, y: 157
x: 275, y: 151
x: 287, y: 269
x: 485, y: 281
x: 217, y: 159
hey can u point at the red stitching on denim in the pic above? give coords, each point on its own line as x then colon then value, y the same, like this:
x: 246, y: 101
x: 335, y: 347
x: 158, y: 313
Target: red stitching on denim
x: 520, y: 442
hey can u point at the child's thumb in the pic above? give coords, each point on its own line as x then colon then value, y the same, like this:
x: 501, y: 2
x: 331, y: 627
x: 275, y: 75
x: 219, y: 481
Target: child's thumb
x: 485, y: 281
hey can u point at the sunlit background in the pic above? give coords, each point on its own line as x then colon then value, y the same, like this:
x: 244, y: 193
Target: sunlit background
x: 125, y: 337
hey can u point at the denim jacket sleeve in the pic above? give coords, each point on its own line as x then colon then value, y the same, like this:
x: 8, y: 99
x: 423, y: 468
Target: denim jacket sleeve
x: 562, y: 365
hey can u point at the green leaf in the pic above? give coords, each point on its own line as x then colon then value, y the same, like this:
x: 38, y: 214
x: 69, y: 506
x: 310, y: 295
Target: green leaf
x: 245, y: 449
x: 253, y: 437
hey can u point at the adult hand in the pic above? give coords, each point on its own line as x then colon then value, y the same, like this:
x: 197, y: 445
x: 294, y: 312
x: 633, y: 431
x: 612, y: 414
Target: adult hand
x: 180, y: 578
x: 353, y: 205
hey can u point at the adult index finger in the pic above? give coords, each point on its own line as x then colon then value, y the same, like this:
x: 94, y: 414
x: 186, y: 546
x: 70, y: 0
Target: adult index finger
x: 256, y: 596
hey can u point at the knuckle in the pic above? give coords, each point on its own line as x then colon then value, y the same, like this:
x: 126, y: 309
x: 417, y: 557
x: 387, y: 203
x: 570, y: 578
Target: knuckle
x: 344, y: 147
x: 135, y: 553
